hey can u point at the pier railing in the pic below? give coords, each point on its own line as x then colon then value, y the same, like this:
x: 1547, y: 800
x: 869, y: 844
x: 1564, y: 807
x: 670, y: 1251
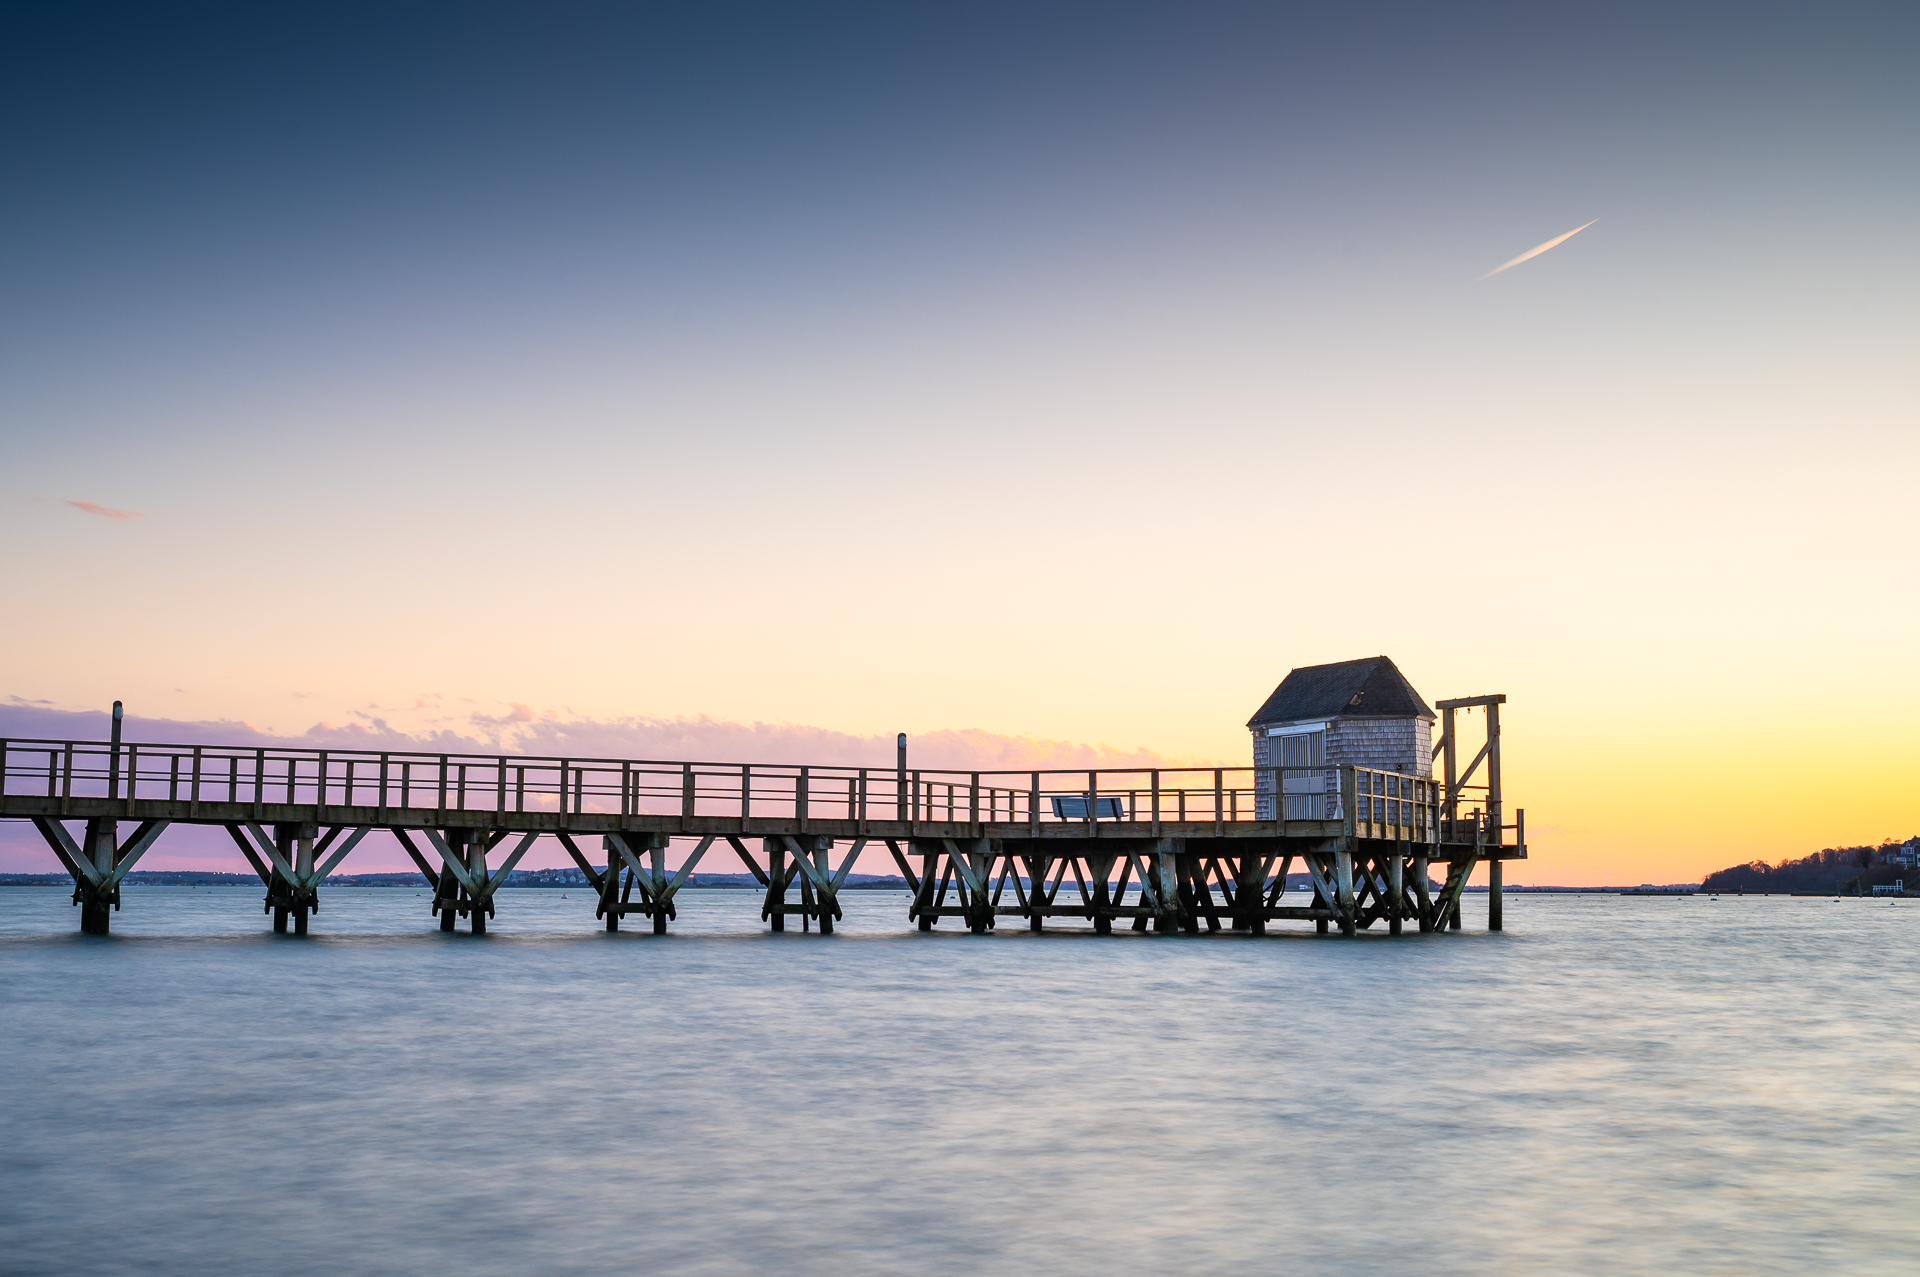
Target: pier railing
x: 1366, y: 801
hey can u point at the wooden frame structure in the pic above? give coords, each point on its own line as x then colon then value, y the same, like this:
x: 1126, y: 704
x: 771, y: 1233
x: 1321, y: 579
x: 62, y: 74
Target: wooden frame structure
x: 1185, y: 841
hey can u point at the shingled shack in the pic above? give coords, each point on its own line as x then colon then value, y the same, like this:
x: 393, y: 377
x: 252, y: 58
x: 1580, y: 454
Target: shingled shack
x: 1360, y: 713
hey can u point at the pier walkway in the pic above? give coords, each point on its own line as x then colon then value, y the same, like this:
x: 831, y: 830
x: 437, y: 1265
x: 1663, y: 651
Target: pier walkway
x: 1202, y: 848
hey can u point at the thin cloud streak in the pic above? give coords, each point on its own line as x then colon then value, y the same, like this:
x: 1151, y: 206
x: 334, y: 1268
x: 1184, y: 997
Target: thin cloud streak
x: 105, y: 512
x: 1532, y: 253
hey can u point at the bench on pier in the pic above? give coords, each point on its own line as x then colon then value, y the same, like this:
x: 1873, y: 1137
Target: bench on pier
x: 1075, y: 808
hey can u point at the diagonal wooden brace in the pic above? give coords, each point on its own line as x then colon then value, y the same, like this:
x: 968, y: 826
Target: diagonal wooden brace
x: 134, y: 848
x: 272, y: 852
x: 67, y: 851
x: 499, y: 875
x: 353, y: 840
x: 453, y: 862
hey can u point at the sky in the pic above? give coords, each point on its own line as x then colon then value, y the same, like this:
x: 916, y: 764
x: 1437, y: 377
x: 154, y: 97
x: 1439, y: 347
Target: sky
x: 1031, y: 378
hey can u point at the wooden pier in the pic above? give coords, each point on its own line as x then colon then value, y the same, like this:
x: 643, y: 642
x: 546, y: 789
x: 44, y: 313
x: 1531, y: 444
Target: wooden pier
x: 1201, y: 848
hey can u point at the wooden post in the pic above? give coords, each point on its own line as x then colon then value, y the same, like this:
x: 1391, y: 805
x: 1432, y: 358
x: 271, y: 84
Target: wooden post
x: 823, y: 864
x: 1038, y: 868
x: 1396, y: 887
x: 610, y: 884
x: 1495, y: 875
x: 477, y: 870
x: 929, y: 861
x: 1343, y: 887
x: 1421, y: 877
x: 302, y: 861
x: 1103, y: 870
x: 1166, y: 871
x: 96, y: 905
x: 1494, y: 805
x: 776, y: 882
x: 1250, y: 894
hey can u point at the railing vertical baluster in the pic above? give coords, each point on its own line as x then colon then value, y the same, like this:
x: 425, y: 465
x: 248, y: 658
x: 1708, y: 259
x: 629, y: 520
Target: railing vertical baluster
x: 193, y: 801
x: 746, y: 792
x: 173, y: 776
x: 1033, y: 805
x: 689, y: 792
x: 259, y: 783
x: 973, y: 799
x: 627, y: 802
x: 320, y: 788
x: 1093, y: 798
x: 862, y: 816
x: 383, y: 787
x: 500, y: 796
x: 66, y: 780
x: 1156, y: 802
x: 520, y: 789
x: 443, y: 789
x: 346, y: 785
x: 133, y: 771
x: 800, y: 800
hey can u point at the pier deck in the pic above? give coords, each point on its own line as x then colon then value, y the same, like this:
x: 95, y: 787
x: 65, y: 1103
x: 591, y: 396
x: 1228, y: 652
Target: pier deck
x: 1203, y: 848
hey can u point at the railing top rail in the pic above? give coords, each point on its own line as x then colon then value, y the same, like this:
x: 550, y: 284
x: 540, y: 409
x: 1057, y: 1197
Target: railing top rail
x: 880, y: 771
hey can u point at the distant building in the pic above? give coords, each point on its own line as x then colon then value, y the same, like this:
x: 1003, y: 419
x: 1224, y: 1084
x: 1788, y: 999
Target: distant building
x: 1351, y: 713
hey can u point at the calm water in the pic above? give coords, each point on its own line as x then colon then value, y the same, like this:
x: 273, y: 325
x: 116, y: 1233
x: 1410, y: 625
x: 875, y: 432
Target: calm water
x: 1614, y: 1085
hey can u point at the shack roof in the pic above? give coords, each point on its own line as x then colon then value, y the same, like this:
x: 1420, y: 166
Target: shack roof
x: 1368, y: 688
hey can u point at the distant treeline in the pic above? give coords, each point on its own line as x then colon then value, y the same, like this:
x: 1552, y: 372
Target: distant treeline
x: 1835, y: 869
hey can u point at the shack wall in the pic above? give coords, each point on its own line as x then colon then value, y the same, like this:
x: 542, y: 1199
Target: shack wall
x: 1391, y: 744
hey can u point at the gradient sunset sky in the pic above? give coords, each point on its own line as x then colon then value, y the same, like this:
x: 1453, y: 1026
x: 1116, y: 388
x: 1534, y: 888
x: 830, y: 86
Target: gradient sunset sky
x: 1061, y: 372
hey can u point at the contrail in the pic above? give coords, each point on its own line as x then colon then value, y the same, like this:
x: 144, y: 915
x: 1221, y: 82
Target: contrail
x: 1535, y: 252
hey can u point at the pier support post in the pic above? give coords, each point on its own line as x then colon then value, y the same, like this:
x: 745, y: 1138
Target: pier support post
x: 288, y: 900
x: 929, y: 862
x: 1249, y: 893
x: 1422, y: 877
x: 1100, y: 867
x: 1343, y: 884
x: 1396, y: 887
x: 446, y: 900
x: 1165, y: 869
x: 97, y: 903
x: 982, y: 855
x: 477, y: 870
x: 610, y: 892
x: 776, y: 884
x: 1039, y: 868
x: 1495, y: 874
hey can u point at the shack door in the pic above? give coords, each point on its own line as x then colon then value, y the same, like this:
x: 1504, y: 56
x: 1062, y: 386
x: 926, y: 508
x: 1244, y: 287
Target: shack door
x: 1302, y: 756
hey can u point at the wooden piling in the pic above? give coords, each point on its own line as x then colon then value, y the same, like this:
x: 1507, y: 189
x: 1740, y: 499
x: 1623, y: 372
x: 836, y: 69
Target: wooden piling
x: 1343, y: 889
x: 1396, y: 888
x: 1495, y: 875
x: 776, y: 883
